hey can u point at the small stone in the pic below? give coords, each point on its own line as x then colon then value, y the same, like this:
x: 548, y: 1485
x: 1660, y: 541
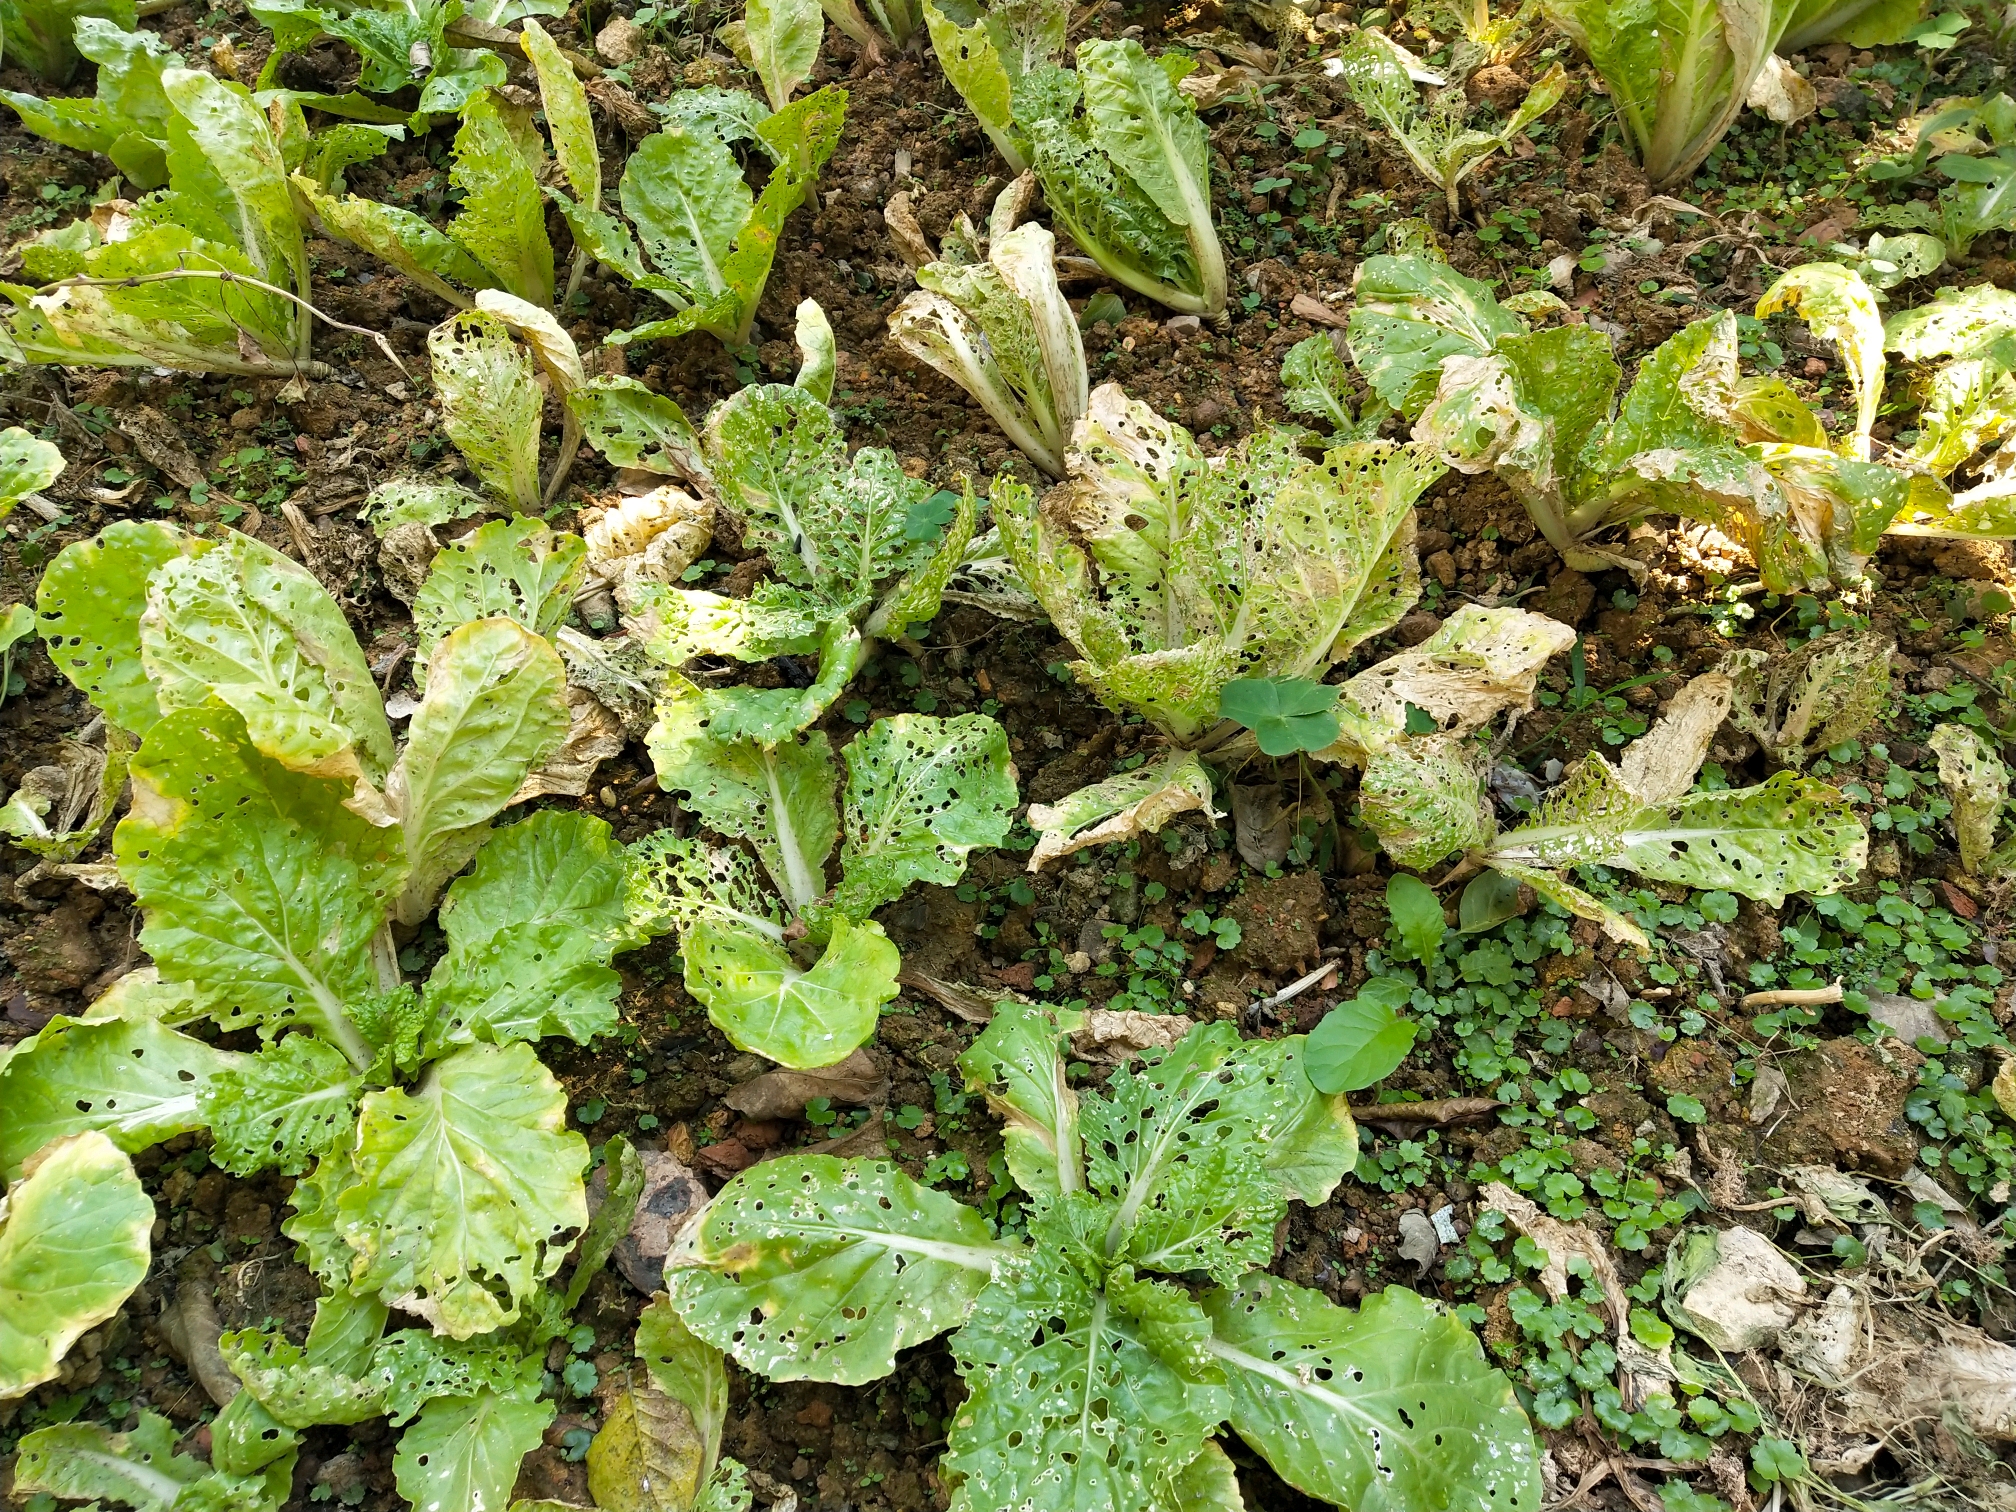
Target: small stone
x: 245, y: 419
x: 620, y: 42
x: 1815, y: 366
x: 1442, y: 567
x: 1177, y: 323
x: 1078, y: 963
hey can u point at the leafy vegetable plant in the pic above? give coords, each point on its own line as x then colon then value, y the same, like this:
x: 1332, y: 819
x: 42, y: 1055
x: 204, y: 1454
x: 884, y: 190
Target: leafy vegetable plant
x: 1129, y: 176
x: 1692, y: 436
x: 1976, y: 144
x: 1175, y: 575
x: 1316, y: 382
x: 127, y: 119
x: 451, y: 53
x: 921, y: 794
x: 695, y: 222
x: 497, y: 239
x: 1001, y: 330
x: 988, y: 50
x: 1789, y: 834
x: 1436, y: 140
x: 278, y: 833
x: 858, y: 556
x: 204, y: 277
x: 1678, y: 73
x: 1962, y: 350
x: 39, y: 35
x: 1103, y: 1353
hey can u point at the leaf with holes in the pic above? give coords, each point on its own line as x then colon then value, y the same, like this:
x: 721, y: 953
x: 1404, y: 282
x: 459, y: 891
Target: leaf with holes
x: 1092, y: 1383
x: 1386, y: 1409
x: 28, y: 464
x: 1190, y: 1188
x: 249, y: 627
x: 1018, y: 1062
x: 779, y: 798
x: 132, y: 1080
x: 490, y: 403
x: 470, y: 1182
x: 1071, y: 1407
x: 833, y: 527
x: 280, y: 1109
x: 811, y: 1268
x: 73, y: 1245
x: 1174, y: 576
x: 1975, y: 780
x: 257, y: 887
x: 516, y: 569
x: 464, y: 1452
x: 1790, y: 834
x: 922, y: 794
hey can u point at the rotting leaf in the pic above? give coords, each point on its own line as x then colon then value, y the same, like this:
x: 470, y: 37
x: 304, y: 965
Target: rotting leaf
x: 1827, y: 691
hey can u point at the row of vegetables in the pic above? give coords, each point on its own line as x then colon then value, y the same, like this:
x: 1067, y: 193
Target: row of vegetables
x: 282, y: 838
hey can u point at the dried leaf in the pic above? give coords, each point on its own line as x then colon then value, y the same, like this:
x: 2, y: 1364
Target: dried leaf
x: 1826, y: 692
x: 671, y: 1200
x: 860, y: 1080
x: 159, y: 440
x: 1731, y: 1288
x: 593, y: 736
x: 648, y: 1455
x: 1418, y: 1240
x: 1108, y: 1038
x: 1661, y: 764
x: 1260, y: 826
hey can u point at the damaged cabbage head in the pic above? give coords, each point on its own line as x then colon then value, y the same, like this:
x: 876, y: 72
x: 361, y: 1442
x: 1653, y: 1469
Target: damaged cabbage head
x: 1692, y: 436
x: 1175, y: 574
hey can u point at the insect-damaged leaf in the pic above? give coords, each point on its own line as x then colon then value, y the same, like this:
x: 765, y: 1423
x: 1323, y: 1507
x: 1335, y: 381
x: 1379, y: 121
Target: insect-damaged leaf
x: 281, y: 1108
x: 73, y: 1245
x: 259, y: 889
x: 464, y: 1452
x: 1391, y: 1406
x: 1790, y: 834
x: 468, y: 1182
x: 922, y: 794
x: 132, y: 1080
x: 1040, y: 1345
x: 490, y: 403
x: 1195, y: 572
x: 518, y: 569
x: 247, y: 626
x: 1019, y: 1063
x: 789, y: 1239
x: 1139, y: 802
x: 89, y: 603
x: 1975, y: 780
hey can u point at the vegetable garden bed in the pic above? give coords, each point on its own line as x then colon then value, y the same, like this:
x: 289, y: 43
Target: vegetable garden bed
x: 1274, y: 737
